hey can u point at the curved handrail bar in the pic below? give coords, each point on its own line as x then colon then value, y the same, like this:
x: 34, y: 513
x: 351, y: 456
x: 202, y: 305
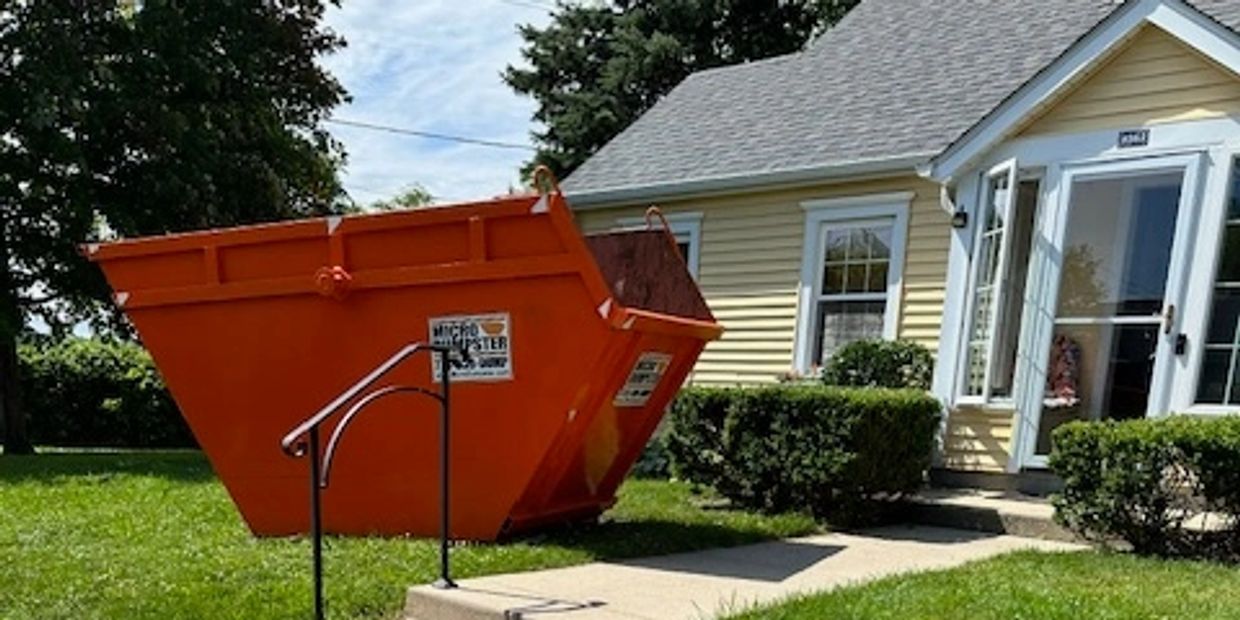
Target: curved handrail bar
x: 295, y: 448
x: 352, y: 413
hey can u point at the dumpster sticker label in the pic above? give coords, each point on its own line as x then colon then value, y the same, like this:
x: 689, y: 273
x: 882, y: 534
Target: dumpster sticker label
x: 642, y: 381
x: 487, y: 337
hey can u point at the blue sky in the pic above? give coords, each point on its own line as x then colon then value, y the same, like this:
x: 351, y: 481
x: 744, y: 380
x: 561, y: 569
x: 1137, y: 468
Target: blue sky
x: 431, y: 65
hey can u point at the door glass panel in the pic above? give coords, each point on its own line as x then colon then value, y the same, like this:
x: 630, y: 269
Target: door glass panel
x: 1118, y: 246
x: 1116, y: 256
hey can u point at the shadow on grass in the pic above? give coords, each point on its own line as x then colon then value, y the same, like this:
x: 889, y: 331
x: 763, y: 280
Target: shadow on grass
x: 52, y: 467
x: 621, y: 540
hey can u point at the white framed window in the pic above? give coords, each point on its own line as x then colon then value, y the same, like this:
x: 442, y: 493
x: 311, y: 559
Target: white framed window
x: 685, y: 227
x: 1002, y: 247
x: 987, y: 290
x: 851, y: 273
x: 1218, y: 381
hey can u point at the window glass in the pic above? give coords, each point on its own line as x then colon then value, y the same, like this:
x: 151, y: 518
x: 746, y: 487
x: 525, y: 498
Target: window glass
x: 844, y: 322
x: 985, y: 281
x: 1219, y: 382
x: 852, y: 303
x: 998, y: 297
x: 683, y: 248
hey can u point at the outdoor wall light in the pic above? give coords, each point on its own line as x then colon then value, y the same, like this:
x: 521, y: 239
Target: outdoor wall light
x: 960, y: 219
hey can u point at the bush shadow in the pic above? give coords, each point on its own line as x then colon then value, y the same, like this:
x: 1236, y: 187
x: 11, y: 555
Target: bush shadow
x: 54, y: 467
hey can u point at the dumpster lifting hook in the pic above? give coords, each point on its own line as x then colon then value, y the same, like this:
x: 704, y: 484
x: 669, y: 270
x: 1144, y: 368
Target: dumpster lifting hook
x: 655, y: 212
x: 333, y: 282
x: 545, y: 181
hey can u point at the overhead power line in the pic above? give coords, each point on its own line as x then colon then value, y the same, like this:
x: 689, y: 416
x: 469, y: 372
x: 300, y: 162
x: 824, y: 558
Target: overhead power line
x: 531, y: 4
x: 430, y: 135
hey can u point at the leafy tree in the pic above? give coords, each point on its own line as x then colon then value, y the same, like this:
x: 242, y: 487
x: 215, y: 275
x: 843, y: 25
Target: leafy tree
x: 599, y: 66
x: 133, y: 118
x: 411, y: 198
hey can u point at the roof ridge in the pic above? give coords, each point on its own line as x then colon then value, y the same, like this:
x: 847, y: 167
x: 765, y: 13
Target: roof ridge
x: 892, y: 79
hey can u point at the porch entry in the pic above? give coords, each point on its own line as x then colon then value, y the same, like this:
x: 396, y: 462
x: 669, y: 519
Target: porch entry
x: 1115, y: 266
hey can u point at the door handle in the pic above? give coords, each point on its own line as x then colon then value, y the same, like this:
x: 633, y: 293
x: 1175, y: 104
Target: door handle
x: 1168, y: 319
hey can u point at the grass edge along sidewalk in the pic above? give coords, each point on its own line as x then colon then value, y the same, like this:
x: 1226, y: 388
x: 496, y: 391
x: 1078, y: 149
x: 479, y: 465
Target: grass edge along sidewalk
x: 1032, y: 584
x: 153, y: 535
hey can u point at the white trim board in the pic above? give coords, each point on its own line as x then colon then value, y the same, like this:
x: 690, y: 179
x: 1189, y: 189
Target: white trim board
x: 818, y: 213
x: 1173, y: 16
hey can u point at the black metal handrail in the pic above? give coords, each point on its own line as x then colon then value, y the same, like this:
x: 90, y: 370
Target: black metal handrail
x: 304, y: 439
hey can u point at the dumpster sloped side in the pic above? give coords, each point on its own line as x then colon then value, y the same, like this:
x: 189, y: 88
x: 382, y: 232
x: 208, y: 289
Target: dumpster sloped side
x: 256, y: 328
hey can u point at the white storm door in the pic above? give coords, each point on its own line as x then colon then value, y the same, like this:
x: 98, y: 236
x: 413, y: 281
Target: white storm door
x: 1116, y: 270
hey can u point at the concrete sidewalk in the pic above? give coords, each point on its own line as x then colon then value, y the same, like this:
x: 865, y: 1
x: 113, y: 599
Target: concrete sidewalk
x: 709, y: 583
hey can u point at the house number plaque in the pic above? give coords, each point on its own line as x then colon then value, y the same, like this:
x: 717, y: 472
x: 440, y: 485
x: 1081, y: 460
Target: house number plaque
x: 1133, y: 138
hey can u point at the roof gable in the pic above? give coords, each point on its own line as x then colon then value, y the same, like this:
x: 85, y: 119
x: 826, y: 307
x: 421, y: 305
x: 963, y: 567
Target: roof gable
x: 1196, y: 26
x: 1154, y: 79
x: 891, y: 86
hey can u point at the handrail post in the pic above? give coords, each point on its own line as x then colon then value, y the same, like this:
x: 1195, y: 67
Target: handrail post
x: 316, y: 522
x: 445, y: 373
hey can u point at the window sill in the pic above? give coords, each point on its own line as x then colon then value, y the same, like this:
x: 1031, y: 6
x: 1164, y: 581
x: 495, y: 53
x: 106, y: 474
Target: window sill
x: 1005, y: 407
x: 1210, y: 410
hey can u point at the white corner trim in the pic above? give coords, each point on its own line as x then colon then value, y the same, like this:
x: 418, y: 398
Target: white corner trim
x: 542, y: 206
x: 893, y: 207
x: 604, y: 309
x: 333, y: 222
x: 1174, y: 16
x: 955, y: 302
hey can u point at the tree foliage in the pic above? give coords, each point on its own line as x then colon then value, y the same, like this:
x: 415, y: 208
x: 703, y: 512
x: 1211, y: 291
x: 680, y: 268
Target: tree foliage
x: 597, y: 67
x: 175, y: 115
x: 410, y: 198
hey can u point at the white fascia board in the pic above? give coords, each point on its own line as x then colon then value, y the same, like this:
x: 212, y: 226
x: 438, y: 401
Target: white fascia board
x: 1060, y: 74
x: 610, y: 197
x: 1200, y: 32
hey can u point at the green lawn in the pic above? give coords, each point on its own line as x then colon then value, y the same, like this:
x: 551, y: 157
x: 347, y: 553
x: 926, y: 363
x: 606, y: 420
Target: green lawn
x: 1031, y: 585
x: 154, y: 535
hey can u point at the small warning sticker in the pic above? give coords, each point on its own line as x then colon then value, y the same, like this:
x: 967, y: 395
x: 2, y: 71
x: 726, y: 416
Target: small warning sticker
x: 642, y: 381
x: 487, y: 337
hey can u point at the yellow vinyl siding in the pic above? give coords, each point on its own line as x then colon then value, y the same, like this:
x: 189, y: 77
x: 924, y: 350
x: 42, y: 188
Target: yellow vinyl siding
x: 978, y: 440
x: 1153, y: 79
x: 750, y: 268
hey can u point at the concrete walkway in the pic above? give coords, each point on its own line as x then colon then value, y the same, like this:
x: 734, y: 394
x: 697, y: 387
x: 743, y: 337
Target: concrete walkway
x: 996, y: 512
x: 706, y: 584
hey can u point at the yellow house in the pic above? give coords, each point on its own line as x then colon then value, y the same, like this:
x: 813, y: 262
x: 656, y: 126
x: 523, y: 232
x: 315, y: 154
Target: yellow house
x: 1046, y: 194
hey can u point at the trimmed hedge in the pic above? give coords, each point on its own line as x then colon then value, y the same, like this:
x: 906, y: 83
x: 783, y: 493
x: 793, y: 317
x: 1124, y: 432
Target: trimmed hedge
x: 84, y: 392
x: 881, y: 363
x: 835, y: 452
x: 1152, y: 484
x: 654, y: 462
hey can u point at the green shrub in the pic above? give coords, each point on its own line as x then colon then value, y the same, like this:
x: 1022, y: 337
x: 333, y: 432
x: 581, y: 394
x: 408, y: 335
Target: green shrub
x: 695, y: 433
x: 835, y: 452
x: 654, y: 462
x: 1152, y: 484
x: 881, y: 363
x: 92, y: 392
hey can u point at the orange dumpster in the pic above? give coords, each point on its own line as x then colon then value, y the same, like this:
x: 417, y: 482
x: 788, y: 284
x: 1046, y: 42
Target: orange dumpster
x: 577, y: 344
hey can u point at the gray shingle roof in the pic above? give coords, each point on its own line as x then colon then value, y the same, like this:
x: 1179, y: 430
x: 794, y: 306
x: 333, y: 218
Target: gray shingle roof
x: 895, y: 80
